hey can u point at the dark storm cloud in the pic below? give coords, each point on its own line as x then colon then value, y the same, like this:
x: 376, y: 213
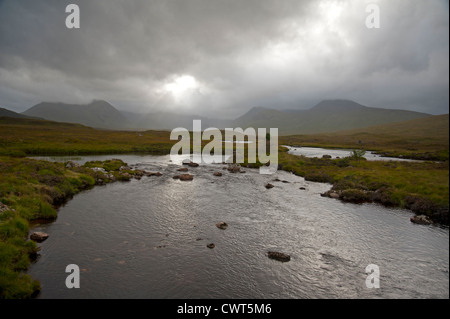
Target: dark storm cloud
x: 219, y: 58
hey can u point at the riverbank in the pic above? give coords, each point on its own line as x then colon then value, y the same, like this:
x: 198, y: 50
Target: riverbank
x: 419, y: 186
x: 33, y: 190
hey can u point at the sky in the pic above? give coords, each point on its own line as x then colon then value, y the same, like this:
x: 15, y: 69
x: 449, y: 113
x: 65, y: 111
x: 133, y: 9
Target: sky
x: 219, y: 58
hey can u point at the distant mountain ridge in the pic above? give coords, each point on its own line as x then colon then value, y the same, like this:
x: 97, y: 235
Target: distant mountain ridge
x: 98, y: 114
x: 326, y: 116
x: 9, y: 113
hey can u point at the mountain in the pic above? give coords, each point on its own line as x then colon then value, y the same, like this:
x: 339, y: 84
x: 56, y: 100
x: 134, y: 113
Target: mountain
x: 8, y: 113
x: 98, y: 114
x: 327, y: 116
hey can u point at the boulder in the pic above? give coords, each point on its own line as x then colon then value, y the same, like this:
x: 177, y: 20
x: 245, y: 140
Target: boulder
x: 183, y: 169
x: 278, y: 256
x: 211, y: 246
x: 269, y: 186
x: 192, y: 164
x: 421, y: 219
x: 222, y: 225
x: 186, y: 177
x: 217, y: 174
x: 38, y: 236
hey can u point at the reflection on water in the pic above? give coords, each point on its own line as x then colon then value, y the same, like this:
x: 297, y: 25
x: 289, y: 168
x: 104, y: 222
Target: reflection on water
x: 147, y: 239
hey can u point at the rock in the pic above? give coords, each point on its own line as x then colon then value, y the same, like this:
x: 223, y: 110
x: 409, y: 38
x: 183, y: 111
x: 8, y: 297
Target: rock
x: 211, y: 246
x: 302, y: 188
x: 38, y: 236
x: 198, y: 239
x: 284, y: 181
x: 217, y: 174
x: 176, y: 177
x: 192, y: 164
x: 278, y: 256
x: 222, y: 225
x: 186, y: 177
x: 123, y: 168
x: 421, y: 219
x: 333, y: 195
x: 71, y: 164
x: 268, y: 186
x: 183, y: 169
x: 98, y: 169
x: 3, y: 208
x: 224, y: 168
x: 326, y: 156
x: 234, y: 168
x: 242, y: 172
x: 153, y: 174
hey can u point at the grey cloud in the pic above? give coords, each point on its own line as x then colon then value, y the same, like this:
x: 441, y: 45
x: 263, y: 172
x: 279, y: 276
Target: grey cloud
x: 280, y: 54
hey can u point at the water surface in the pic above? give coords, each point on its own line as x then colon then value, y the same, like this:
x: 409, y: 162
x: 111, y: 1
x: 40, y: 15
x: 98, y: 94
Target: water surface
x: 147, y: 239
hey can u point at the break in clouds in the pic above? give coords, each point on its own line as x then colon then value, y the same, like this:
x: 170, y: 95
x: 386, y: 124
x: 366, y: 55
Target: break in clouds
x: 219, y: 58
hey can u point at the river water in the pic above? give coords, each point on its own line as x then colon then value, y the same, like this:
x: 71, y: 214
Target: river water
x: 147, y: 239
x: 339, y: 153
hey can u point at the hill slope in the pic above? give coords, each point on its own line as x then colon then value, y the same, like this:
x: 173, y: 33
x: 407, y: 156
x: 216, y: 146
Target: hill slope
x: 327, y: 116
x: 7, y: 113
x: 98, y: 114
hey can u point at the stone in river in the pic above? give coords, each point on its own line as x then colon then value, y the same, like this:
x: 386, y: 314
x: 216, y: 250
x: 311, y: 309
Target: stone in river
x: 279, y: 256
x: 186, y: 177
x: 38, y: 236
x: 222, y: 225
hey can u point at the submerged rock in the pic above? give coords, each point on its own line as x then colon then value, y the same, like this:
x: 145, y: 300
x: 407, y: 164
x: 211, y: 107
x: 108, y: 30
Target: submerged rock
x: 153, y: 174
x: 278, y: 256
x: 176, y: 177
x: 269, y: 186
x: 217, y: 174
x: 38, y: 236
x: 222, y: 225
x: 302, y: 188
x: 183, y: 169
x: 421, y: 219
x: 211, y: 246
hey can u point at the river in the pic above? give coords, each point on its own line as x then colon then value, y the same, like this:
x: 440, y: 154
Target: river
x: 147, y: 239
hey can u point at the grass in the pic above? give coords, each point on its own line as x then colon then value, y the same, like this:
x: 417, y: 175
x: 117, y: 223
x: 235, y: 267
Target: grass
x: 425, y: 139
x: 26, y: 137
